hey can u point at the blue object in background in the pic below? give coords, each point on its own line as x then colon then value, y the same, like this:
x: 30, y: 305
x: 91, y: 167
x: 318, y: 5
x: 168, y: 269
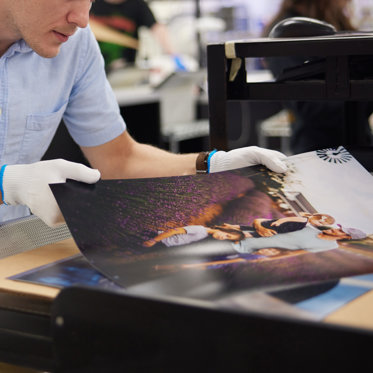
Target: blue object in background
x: 179, y: 64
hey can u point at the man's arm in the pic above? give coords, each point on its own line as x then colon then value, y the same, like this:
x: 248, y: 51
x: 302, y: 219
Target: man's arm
x: 290, y: 219
x: 161, y: 34
x: 262, y: 231
x: 124, y: 158
x: 162, y: 236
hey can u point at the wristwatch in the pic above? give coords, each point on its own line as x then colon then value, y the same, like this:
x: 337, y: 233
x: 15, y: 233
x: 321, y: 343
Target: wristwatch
x: 201, y: 163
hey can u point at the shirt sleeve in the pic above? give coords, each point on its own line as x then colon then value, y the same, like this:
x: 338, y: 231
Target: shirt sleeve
x: 193, y: 233
x: 247, y: 228
x: 290, y: 226
x: 92, y: 115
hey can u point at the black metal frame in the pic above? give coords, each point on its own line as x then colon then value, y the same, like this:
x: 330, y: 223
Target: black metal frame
x: 99, y: 330
x: 95, y: 330
x: 26, y: 340
x: 337, y: 85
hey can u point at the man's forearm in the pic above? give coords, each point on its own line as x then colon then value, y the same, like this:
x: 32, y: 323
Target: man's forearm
x: 149, y: 161
x: 161, y: 34
x: 124, y: 158
x: 169, y: 233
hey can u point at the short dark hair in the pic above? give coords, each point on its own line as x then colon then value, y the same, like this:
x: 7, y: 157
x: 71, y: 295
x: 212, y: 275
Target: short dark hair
x: 230, y: 230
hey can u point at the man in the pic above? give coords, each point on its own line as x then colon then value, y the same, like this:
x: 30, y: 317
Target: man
x: 51, y: 68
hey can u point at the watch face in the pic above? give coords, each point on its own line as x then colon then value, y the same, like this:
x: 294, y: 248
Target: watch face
x: 334, y: 155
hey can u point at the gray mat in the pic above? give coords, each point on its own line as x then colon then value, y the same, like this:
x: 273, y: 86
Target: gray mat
x: 28, y: 233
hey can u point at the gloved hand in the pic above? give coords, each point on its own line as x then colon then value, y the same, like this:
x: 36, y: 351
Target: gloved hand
x: 244, y: 157
x: 28, y: 185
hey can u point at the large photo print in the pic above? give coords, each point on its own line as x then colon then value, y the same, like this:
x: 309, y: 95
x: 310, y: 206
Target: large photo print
x: 231, y: 235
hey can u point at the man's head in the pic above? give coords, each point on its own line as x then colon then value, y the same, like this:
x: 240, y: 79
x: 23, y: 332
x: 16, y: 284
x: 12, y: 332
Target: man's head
x: 355, y: 234
x: 344, y: 233
x: 44, y: 24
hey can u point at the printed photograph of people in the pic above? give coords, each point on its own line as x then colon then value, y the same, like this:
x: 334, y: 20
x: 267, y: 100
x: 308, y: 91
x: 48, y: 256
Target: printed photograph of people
x: 212, y: 237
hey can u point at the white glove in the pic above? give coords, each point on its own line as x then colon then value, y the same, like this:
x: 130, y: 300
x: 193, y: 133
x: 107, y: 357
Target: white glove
x: 28, y: 185
x: 249, y: 156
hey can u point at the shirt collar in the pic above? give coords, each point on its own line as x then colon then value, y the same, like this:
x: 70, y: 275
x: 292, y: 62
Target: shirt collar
x: 19, y: 46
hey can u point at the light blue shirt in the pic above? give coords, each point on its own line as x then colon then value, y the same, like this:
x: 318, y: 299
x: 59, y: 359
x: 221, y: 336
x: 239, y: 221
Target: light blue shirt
x: 36, y: 93
x: 303, y: 239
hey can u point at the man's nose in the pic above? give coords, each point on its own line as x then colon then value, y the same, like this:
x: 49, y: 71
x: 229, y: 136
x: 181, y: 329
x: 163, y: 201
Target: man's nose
x: 79, y: 14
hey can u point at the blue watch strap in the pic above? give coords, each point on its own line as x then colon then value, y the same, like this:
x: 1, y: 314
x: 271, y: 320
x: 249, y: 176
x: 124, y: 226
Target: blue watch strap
x: 1, y: 181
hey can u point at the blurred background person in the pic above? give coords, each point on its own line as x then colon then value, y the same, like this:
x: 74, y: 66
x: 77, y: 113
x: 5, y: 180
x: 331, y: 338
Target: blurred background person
x: 335, y: 12
x: 317, y: 124
x: 126, y: 17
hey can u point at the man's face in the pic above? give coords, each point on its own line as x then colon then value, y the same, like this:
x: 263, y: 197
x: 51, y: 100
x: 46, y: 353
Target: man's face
x: 46, y: 24
x: 220, y: 235
x: 337, y: 233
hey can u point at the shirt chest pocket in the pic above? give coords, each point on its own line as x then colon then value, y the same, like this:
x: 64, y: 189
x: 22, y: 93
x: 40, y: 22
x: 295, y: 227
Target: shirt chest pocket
x: 39, y: 132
